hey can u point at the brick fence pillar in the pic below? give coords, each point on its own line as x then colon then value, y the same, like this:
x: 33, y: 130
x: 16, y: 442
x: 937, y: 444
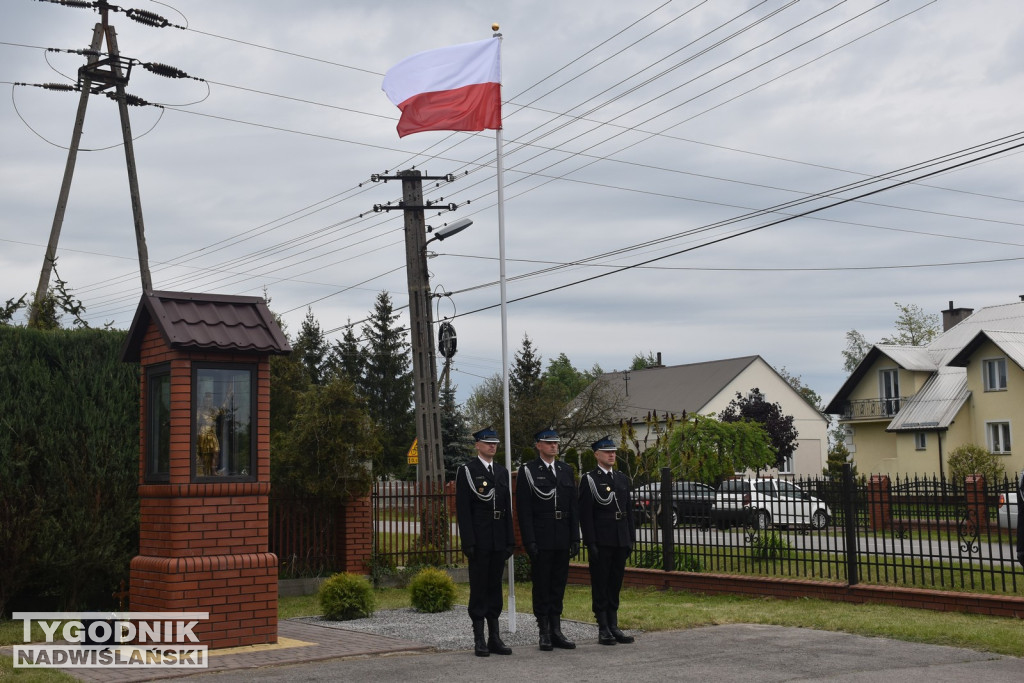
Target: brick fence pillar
x: 879, y: 502
x: 355, y: 536
x: 977, y: 503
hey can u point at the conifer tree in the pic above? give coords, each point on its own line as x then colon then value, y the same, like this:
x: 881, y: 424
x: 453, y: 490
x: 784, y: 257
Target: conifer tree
x: 457, y: 448
x: 387, y: 384
x: 311, y: 348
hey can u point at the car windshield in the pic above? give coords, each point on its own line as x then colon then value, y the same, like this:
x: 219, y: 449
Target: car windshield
x: 788, y: 490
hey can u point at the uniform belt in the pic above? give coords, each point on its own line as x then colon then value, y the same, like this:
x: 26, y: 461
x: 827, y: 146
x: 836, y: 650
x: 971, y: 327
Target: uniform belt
x: 611, y: 515
x: 498, y: 514
x: 557, y: 514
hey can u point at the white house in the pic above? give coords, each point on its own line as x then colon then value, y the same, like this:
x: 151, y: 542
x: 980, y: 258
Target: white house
x: 709, y: 387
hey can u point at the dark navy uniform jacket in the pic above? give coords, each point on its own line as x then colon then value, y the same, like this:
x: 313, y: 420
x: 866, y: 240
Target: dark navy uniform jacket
x: 484, y: 524
x: 607, y: 523
x: 540, y: 521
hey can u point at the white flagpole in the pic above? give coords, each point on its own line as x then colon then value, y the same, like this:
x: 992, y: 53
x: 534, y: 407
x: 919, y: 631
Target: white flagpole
x: 504, y: 352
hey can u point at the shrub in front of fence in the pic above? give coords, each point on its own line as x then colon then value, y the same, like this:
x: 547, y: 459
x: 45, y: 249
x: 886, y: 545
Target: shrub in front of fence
x: 380, y: 568
x: 652, y: 558
x: 432, y: 590
x: 426, y: 554
x: 769, y: 545
x: 346, y: 596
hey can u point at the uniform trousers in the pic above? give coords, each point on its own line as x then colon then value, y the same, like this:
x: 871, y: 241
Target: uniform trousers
x: 485, y: 571
x: 550, y: 570
x: 606, y: 574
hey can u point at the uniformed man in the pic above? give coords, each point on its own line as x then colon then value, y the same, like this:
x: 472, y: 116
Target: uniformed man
x: 608, y: 532
x: 484, y: 507
x: 549, y: 523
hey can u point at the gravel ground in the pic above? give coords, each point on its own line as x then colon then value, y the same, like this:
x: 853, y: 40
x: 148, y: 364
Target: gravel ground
x: 452, y: 630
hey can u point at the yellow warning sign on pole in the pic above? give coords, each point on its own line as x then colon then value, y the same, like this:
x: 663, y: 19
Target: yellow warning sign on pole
x: 413, y: 457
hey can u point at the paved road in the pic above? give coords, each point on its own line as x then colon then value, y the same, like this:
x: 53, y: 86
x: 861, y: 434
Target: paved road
x: 716, y: 653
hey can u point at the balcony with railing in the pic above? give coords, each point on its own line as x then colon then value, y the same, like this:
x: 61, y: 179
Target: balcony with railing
x: 872, y: 408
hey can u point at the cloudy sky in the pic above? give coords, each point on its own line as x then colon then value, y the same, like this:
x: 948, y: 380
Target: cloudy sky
x: 701, y: 179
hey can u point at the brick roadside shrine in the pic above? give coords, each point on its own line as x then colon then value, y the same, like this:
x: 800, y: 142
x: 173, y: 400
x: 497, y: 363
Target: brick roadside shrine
x: 204, y: 462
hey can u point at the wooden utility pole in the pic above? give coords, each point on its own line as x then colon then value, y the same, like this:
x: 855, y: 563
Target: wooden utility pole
x: 94, y: 79
x: 65, y: 187
x: 424, y: 366
x: 129, y: 155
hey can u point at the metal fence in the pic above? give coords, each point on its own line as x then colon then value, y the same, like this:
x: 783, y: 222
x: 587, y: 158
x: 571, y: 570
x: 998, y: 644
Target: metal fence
x: 903, y: 531
x: 304, y: 536
x: 912, y: 531
x: 413, y: 525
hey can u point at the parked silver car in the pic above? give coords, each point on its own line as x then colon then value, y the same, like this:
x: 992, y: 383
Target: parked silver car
x: 1007, y: 510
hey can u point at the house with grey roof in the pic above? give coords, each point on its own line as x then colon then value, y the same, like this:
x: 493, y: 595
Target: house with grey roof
x: 707, y: 388
x: 905, y: 408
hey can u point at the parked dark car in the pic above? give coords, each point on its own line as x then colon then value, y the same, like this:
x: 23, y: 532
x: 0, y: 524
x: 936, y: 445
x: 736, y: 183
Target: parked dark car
x: 691, y: 503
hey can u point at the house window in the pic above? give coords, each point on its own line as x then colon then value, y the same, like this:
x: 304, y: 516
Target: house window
x: 223, y: 435
x: 920, y: 440
x: 787, y: 465
x: 994, y: 370
x: 889, y: 386
x: 998, y: 434
x: 158, y: 423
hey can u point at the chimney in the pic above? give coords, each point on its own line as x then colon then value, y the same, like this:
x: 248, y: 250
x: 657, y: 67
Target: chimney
x: 955, y: 315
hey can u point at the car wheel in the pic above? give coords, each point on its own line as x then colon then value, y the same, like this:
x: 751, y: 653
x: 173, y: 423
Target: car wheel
x: 819, y: 520
x: 762, y: 520
x: 675, y: 518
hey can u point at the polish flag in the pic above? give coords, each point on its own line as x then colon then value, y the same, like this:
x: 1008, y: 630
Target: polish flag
x: 451, y: 88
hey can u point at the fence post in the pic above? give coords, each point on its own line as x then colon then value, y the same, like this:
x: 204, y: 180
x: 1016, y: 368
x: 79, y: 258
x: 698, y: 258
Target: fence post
x: 977, y: 502
x: 850, y: 525
x: 668, y: 534
x: 880, y: 502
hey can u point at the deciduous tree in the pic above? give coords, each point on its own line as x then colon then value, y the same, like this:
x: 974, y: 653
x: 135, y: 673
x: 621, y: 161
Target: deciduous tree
x: 755, y: 408
x: 704, y: 449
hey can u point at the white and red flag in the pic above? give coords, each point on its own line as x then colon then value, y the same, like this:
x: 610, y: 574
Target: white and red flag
x: 451, y: 88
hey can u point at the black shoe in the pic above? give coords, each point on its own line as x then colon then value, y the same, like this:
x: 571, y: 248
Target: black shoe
x: 613, y: 627
x: 494, y: 643
x: 544, y: 627
x: 604, y: 636
x: 479, y: 642
x: 557, y: 639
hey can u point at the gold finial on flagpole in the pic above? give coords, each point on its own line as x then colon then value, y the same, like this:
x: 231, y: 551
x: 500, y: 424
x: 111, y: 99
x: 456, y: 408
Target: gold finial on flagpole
x: 494, y: 26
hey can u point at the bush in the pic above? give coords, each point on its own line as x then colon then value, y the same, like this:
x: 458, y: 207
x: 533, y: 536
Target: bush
x: 432, y: 590
x: 769, y: 545
x: 425, y: 554
x: 971, y: 459
x: 651, y: 558
x: 346, y: 596
x: 380, y: 566
x: 69, y: 468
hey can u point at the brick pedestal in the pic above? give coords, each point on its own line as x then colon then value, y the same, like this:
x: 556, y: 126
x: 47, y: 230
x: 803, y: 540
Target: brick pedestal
x: 203, y: 548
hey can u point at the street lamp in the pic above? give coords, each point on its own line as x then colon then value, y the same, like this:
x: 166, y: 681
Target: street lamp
x: 450, y: 229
